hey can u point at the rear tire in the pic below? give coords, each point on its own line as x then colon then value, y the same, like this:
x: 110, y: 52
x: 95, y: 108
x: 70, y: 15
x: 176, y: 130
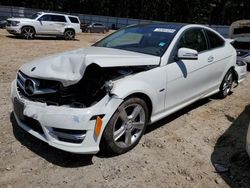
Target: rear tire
x: 28, y: 32
x: 69, y: 34
x: 226, y: 85
x: 126, y: 127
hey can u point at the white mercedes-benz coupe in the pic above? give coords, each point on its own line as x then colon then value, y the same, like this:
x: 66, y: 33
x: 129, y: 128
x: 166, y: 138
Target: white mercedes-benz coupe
x: 105, y: 95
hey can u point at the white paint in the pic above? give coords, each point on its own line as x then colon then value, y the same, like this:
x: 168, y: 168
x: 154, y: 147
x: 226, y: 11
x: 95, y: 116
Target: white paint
x: 170, y: 86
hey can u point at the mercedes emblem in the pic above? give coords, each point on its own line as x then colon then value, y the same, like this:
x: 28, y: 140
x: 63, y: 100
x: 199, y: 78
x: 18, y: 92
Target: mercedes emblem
x: 29, y: 87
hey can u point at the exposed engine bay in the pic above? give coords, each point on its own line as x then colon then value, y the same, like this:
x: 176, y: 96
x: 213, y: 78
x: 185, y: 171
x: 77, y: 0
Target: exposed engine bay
x: 88, y: 91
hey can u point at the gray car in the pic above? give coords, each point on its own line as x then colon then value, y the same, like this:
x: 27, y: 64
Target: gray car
x: 97, y: 28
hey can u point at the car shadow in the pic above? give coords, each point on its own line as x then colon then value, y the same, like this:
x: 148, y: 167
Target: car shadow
x: 66, y: 159
x: 51, y: 154
x: 160, y: 123
x: 39, y: 38
x: 229, y: 157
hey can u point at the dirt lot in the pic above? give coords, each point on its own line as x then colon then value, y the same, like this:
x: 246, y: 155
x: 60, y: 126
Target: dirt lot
x: 179, y: 151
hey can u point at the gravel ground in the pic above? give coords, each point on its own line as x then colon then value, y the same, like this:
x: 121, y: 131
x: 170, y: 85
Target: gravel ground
x: 182, y: 150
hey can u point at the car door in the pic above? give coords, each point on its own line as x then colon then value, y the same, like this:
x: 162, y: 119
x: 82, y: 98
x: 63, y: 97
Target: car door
x: 98, y: 28
x: 45, y: 25
x: 59, y: 22
x: 219, y: 54
x: 187, y: 80
x: 95, y: 28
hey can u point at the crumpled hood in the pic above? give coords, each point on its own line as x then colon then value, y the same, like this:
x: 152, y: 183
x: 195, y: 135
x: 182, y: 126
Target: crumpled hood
x: 69, y: 67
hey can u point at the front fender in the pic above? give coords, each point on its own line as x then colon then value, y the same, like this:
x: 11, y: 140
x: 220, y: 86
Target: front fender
x: 150, y: 83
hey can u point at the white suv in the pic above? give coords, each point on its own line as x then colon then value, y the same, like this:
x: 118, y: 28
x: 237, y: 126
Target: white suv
x: 45, y: 24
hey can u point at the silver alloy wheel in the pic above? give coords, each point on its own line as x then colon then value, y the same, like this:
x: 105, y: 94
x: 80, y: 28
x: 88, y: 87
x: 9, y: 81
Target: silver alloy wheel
x: 28, y: 33
x: 129, y: 125
x: 69, y: 35
x: 228, y: 82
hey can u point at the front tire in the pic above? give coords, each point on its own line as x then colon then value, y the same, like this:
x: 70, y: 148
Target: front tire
x: 226, y: 85
x: 28, y: 32
x: 126, y: 126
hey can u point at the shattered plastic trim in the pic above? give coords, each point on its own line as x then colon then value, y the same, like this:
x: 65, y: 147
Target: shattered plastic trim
x: 67, y: 118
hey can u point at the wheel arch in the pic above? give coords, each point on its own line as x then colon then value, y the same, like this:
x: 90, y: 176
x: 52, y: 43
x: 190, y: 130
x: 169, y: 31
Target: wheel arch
x: 145, y: 98
x: 28, y: 26
x: 69, y: 28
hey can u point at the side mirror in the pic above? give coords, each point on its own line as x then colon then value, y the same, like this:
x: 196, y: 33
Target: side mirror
x: 187, y: 53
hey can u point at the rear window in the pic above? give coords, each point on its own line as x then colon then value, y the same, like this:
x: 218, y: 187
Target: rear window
x: 215, y: 41
x: 242, y: 30
x: 58, y: 18
x: 73, y: 19
x: 241, y: 45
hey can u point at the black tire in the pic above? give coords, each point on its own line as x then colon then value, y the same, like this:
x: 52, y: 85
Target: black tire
x: 28, y: 32
x: 226, y: 84
x: 119, y: 146
x: 69, y: 34
x: 248, y: 67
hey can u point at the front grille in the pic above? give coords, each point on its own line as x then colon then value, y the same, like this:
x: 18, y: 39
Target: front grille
x: 41, y: 91
x: 33, y: 124
x: 8, y: 23
x: 83, y: 94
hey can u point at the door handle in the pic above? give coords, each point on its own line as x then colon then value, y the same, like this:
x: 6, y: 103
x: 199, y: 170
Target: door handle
x: 210, y: 59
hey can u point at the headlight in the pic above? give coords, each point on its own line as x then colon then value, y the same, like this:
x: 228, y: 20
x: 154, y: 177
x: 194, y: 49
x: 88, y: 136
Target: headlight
x: 109, y: 86
x: 15, y: 23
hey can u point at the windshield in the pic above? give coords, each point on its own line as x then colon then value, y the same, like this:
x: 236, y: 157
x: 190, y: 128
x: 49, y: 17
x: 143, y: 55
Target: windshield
x: 148, y: 39
x: 34, y: 16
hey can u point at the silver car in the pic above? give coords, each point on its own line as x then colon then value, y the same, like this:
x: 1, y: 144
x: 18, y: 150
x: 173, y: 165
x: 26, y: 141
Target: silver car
x: 97, y: 28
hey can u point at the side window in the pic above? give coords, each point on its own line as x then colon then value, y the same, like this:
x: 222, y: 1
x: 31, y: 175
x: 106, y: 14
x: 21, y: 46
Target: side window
x: 215, y: 41
x: 97, y: 24
x: 73, y: 19
x: 58, y: 18
x: 46, y: 17
x: 194, y: 39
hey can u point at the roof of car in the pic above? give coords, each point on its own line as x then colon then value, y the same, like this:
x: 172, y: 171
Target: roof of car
x: 56, y: 14
x: 176, y: 26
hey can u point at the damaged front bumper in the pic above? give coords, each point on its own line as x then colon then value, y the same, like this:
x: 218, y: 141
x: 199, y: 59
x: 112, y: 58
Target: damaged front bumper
x: 63, y: 127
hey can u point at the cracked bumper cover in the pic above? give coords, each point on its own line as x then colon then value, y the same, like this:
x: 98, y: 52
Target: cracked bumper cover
x: 66, y: 118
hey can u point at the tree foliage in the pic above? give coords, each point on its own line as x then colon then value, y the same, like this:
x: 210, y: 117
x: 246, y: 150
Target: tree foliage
x: 189, y: 11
